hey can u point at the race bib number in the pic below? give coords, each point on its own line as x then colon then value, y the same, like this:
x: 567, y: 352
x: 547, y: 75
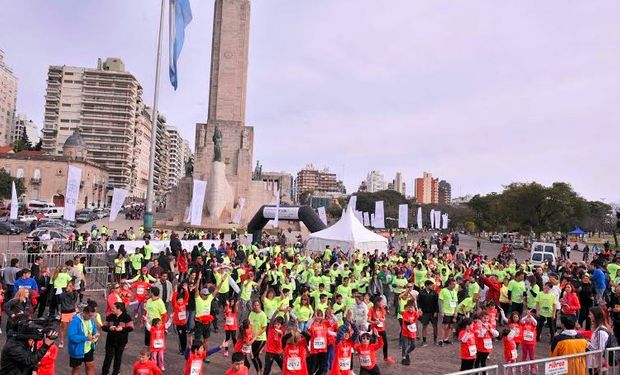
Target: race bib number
x: 293, y: 364
x: 472, y: 350
x: 513, y: 354
x: 319, y: 343
x: 195, y: 368
x: 344, y: 364
x: 140, y: 290
x: 230, y: 321
x: 528, y: 335
x: 206, y: 311
x: 488, y: 344
x: 516, y: 331
x: 453, y: 304
x: 365, y: 360
x: 412, y: 327
x: 247, y: 349
x: 379, y: 324
x: 182, y: 315
x: 158, y: 343
x: 545, y: 309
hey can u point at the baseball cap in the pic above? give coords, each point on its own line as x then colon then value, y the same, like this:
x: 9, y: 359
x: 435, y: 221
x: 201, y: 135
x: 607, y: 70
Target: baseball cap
x: 204, y: 291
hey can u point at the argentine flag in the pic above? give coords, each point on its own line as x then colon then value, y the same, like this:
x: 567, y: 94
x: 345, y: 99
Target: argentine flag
x: 180, y: 17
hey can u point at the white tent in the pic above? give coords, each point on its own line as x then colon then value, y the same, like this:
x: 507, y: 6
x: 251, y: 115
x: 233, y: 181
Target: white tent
x: 348, y: 233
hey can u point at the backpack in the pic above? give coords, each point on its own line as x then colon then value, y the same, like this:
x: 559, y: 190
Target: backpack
x: 612, y: 342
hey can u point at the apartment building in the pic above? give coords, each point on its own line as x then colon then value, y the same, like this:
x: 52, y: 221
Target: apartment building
x: 8, y: 100
x: 426, y: 189
x: 178, y: 154
x: 312, y: 180
x: 375, y: 182
x: 24, y: 125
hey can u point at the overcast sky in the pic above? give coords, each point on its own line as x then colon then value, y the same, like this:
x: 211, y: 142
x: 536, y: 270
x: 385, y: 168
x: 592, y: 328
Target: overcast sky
x: 480, y: 93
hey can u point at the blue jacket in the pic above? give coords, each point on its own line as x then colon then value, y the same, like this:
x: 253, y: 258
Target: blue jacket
x: 598, y: 278
x: 28, y: 283
x: 76, y: 336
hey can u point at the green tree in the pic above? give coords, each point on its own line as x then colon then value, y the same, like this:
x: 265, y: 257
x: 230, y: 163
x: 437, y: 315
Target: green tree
x: 5, y: 185
x: 23, y: 143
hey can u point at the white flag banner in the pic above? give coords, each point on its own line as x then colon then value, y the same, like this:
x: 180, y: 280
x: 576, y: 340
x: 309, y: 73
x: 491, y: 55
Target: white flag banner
x: 198, y: 198
x: 249, y: 239
x: 72, y: 193
x: 372, y: 220
x: 233, y: 284
x: 118, y: 198
x: 352, y: 202
x: 444, y: 222
x: 419, y: 217
x: 432, y: 219
x: 379, y: 221
x: 403, y: 215
x: 277, y: 217
x: 366, y: 219
x: 14, y: 203
x: 359, y: 215
x: 237, y: 218
x: 322, y: 215
x: 437, y: 219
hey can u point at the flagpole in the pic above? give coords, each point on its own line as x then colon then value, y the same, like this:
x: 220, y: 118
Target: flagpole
x: 150, y: 194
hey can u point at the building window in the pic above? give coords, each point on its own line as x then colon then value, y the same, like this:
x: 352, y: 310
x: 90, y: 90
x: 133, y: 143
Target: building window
x: 37, y: 174
x: 19, y: 173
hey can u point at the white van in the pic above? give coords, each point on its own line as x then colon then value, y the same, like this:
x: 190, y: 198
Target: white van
x: 53, y: 212
x: 544, y: 251
x: 37, y: 206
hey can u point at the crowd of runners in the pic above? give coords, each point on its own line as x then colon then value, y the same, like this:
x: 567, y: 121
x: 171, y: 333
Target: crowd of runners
x: 322, y: 313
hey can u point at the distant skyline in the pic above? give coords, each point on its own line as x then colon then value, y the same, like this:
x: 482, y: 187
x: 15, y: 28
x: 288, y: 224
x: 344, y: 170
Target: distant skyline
x: 481, y: 93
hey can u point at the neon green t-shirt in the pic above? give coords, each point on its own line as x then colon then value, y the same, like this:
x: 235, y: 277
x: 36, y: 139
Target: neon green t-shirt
x: 546, y: 304
x: 449, y: 300
x: 517, y: 288
x: 258, y: 321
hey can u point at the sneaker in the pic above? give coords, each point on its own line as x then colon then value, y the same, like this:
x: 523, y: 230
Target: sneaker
x: 440, y: 343
x: 61, y: 345
x: 405, y: 362
x: 424, y: 344
x: 448, y: 342
x: 389, y: 361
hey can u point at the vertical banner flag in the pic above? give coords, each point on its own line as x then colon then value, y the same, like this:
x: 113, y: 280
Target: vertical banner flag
x: 180, y: 17
x: 359, y: 215
x: 432, y: 219
x: 277, y: 216
x: 322, y: 215
x: 198, y: 199
x: 379, y: 221
x: 352, y: 203
x: 444, y: 222
x: 437, y: 219
x: 366, y: 219
x: 419, y: 217
x: 237, y: 218
x: 74, y: 178
x: 249, y: 239
x: 14, y: 203
x: 372, y: 220
x: 118, y: 198
x: 403, y: 215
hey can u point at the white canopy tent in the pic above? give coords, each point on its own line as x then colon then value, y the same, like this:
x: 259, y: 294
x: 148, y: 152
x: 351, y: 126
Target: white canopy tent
x: 348, y: 233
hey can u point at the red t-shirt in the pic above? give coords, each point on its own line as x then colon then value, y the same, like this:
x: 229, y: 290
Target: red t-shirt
x: 231, y: 320
x: 294, y: 361
x: 367, y: 353
x: 194, y: 362
x: 179, y: 311
x: 142, y: 290
x: 510, y: 349
x: 528, y: 333
x: 342, y: 358
x: 484, y: 339
x: 242, y: 371
x: 468, y: 348
x: 182, y: 264
x: 245, y: 346
x: 158, y: 339
x: 274, y: 340
x: 516, y: 327
x: 48, y: 362
x: 318, y: 339
x: 146, y: 368
x: 409, y: 328
x: 378, y: 315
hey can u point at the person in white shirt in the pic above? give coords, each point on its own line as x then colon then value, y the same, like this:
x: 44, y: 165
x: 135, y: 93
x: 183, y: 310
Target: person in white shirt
x: 600, y: 334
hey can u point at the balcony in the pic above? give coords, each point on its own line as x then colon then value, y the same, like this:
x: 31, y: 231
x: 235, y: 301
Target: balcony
x: 35, y: 181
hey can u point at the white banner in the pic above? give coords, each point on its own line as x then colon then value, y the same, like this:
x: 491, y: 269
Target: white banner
x: 432, y: 219
x: 403, y: 215
x: 359, y: 215
x: 277, y: 217
x: 372, y: 220
x: 379, y: 220
x: 118, y: 198
x: 284, y: 213
x: 249, y: 239
x: 366, y: 219
x: 352, y: 202
x: 237, y: 218
x: 444, y: 221
x: 72, y: 193
x: 198, y: 200
x: 437, y: 219
x: 14, y: 203
x: 322, y: 214
x: 419, y: 218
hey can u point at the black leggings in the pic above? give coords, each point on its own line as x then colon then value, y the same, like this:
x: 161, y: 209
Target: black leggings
x: 372, y: 371
x: 467, y: 364
x: 481, y: 359
x: 182, y: 332
x: 232, y: 336
x: 385, y: 344
x: 270, y: 358
x: 317, y: 363
x: 257, y: 346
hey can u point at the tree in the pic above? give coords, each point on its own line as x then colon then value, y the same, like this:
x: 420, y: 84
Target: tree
x: 5, y: 185
x: 23, y: 143
x: 38, y: 146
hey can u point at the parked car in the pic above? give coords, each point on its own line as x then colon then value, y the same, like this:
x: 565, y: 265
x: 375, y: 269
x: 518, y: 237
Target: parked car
x: 518, y: 244
x: 100, y: 212
x: 495, y: 238
x: 85, y: 216
x: 54, y: 234
x: 53, y: 212
x: 27, y: 218
x: 544, y: 251
x: 57, y: 225
x: 24, y: 226
x: 8, y: 228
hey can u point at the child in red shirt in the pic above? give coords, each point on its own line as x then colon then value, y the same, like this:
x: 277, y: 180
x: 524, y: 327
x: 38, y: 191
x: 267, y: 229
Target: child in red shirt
x: 196, y: 357
x: 409, y: 329
x: 528, y: 332
x: 376, y: 317
x: 231, y: 322
x: 244, y: 344
x: 180, y: 299
x: 48, y: 362
x: 467, y: 338
x: 273, y: 348
x: 295, y: 352
x: 158, y: 341
x: 238, y: 365
x: 484, y: 339
x: 367, y: 353
x: 341, y: 364
x: 510, y: 346
x: 144, y: 366
x: 318, y: 329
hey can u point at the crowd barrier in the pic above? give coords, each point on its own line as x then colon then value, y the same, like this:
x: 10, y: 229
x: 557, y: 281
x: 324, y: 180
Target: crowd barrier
x: 489, y: 370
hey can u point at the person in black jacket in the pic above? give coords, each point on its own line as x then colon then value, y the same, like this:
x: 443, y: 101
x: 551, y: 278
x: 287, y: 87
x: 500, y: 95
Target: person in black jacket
x: 428, y: 302
x: 44, y: 283
x: 20, y: 356
x: 175, y: 244
x: 117, y: 325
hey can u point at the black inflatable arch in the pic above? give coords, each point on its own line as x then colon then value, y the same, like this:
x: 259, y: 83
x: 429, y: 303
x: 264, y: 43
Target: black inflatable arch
x: 304, y: 214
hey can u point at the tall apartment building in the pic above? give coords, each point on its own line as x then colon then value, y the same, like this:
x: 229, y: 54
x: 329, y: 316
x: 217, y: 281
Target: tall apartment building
x: 178, y: 154
x: 141, y: 152
x: 445, y: 192
x: 398, y: 184
x: 162, y: 161
x: 24, y: 125
x: 312, y: 180
x: 8, y: 100
x: 426, y: 189
x: 375, y: 182
x: 105, y: 103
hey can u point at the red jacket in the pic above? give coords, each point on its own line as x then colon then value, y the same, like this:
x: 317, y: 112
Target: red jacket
x: 146, y: 368
x: 494, y: 288
x: 570, y: 304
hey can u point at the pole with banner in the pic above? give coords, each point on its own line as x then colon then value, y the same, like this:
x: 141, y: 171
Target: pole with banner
x: 419, y: 218
x: 322, y: 214
x: 14, y: 202
x: 72, y: 192
x: 403, y: 215
x: 118, y: 198
x: 379, y: 217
